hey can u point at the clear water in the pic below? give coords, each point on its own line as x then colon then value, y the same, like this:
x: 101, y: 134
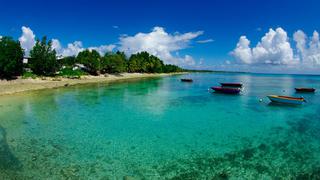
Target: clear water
x: 162, y: 129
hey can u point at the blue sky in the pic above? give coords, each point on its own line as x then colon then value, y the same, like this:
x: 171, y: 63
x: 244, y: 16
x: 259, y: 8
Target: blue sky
x: 93, y: 22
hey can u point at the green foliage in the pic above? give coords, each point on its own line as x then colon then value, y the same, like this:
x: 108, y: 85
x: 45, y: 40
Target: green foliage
x: 134, y: 64
x: 67, y: 61
x: 43, y: 58
x: 114, y: 63
x: 11, y: 56
x: 145, y: 63
x: 27, y: 75
x: 171, y: 68
x: 91, y: 59
x: 70, y: 73
x: 43, y: 61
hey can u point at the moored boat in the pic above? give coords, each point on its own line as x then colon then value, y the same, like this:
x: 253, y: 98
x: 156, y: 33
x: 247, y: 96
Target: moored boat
x: 226, y: 90
x: 186, y: 80
x: 286, y: 99
x: 238, y: 85
x: 304, y: 89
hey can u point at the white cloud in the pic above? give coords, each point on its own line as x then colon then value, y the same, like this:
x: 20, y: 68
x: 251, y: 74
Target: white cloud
x: 188, y: 60
x: 74, y: 48
x: 157, y: 42
x: 243, y: 51
x: 115, y: 27
x: 103, y: 49
x: 161, y: 44
x: 308, y: 53
x: 56, y: 46
x: 274, y: 48
x: 27, y: 39
x: 205, y: 41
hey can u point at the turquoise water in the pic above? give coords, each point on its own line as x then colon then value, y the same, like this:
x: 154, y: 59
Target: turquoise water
x: 162, y: 129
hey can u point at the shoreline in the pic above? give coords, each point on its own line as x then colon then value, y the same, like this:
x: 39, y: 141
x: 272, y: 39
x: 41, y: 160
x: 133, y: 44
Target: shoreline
x: 24, y: 85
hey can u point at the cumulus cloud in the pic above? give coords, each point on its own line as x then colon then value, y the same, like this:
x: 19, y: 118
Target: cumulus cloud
x: 309, y: 53
x: 273, y: 48
x: 157, y: 42
x: 161, y: 44
x: 205, y: 41
x: 74, y: 48
x: 103, y: 49
x: 27, y: 39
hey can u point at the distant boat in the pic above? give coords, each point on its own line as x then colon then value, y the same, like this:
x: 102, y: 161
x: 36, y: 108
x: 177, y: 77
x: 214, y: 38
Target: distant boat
x: 226, y: 90
x: 304, y: 89
x: 186, y: 80
x: 286, y: 99
x: 238, y: 85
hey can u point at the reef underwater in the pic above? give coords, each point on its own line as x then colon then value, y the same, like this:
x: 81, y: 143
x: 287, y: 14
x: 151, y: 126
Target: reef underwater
x: 161, y: 129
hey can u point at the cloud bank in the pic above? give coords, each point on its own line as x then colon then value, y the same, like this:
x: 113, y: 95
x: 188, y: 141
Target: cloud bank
x: 276, y: 48
x: 74, y: 48
x: 157, y: 42
x: 160, y: 43
x: 28, y: 40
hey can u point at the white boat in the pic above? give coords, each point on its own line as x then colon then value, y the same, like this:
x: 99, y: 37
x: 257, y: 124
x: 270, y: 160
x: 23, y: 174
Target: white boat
x: 286, y: 99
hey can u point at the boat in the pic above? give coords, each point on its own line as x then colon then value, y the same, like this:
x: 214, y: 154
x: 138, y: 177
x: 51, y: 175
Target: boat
x: 238, y: 85
x: 286, y: 99
x: 186, y: 80
x: 304, y: 89
x: 226, y: 90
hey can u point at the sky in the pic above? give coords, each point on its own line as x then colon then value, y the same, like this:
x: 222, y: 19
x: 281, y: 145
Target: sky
x: 247, y: 35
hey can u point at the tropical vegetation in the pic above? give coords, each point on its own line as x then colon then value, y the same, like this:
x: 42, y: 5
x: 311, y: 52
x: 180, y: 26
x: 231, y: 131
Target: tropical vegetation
x: 11, y: 55
x: 43, y: 61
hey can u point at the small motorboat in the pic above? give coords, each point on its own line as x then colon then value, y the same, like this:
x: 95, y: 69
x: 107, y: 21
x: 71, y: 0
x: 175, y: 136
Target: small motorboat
x: 226, y: 90
x: 286, y: 99
x: 238, y: 85
x: 304, y: 89
x: 186, y: 80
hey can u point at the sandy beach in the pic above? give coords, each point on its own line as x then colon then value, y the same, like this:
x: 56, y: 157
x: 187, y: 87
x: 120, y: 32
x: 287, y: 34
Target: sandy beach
x: 22, y: 85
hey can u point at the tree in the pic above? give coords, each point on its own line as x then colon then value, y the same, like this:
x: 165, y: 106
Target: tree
x: 114, y: 63
x: 133, y: 65
x: 43, y: 58
x: 155, y: 65
x: 171, y: 68
x: 11, y: 56
x: 67, y: 61
x: 145, y: 63
x: 91, y: 59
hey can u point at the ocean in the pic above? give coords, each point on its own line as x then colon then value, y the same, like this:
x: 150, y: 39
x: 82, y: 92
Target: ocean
x: 162, y: 128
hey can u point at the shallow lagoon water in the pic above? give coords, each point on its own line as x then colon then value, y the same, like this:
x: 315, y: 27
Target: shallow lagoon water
x: 162, y: 128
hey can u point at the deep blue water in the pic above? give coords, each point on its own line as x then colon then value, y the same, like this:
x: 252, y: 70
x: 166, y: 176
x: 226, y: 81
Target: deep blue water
x: 162, y: 128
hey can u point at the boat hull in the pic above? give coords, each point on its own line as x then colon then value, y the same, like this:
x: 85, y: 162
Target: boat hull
x: 286, y: 100
x: 186, y: 80
x: 226, y: 90
x: 305, y: 90
x: 237, y: 85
